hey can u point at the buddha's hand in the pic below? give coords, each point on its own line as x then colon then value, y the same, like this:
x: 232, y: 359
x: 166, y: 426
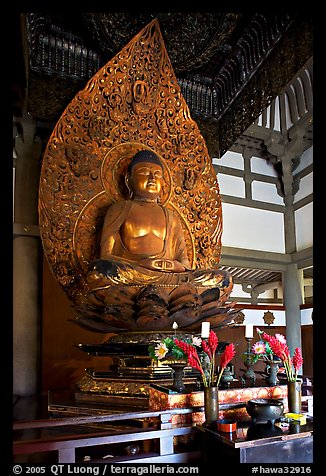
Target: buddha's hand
x: 168, y: 265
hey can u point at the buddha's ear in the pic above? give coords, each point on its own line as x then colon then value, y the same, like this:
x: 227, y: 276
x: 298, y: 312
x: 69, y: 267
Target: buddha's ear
x: 127, y: 181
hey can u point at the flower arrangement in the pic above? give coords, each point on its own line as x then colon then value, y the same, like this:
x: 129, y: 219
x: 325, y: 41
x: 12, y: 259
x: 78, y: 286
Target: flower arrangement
x: 166, y: 350
x: 262, y: 350
x: 270, y: 347
x: 199, y: 354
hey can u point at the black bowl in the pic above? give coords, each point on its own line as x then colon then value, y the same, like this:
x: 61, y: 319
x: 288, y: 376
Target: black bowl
x: 264, y: 410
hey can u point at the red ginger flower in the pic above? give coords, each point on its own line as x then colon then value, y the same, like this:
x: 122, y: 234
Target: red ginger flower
x: 192, y: 356
x: 206, y: 348
x: 212, y: 341
x: 187, y: 348
x: 209, y: 347
x: 193, y: 362
x: 227, y: 356
x: 281, y: 350
x: 297, y: 359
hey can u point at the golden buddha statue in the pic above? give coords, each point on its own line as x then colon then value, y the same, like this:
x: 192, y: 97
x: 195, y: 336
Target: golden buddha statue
x: 143, y: 252
x: 130, y: 211
x: 140, y: 230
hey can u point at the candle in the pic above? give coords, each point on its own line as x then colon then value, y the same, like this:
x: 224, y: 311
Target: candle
x: 205, y: 326
x: 249, y: 331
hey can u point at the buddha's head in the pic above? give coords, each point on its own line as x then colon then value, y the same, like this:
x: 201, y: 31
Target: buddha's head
x: 144, y: 176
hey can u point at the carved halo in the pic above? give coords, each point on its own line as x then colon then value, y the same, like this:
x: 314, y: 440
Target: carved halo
x: 100, y: 130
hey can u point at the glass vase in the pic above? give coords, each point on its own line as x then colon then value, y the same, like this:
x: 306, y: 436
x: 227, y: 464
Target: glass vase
x: 211, y: 405
x: 294, y: 396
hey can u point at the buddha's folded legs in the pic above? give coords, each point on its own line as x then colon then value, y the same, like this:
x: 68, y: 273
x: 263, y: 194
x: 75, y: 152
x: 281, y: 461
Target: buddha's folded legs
x: 104, y: 273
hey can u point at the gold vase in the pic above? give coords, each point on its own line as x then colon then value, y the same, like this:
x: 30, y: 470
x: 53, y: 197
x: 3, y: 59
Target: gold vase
x: 211, y: 405
x: 294, y: 396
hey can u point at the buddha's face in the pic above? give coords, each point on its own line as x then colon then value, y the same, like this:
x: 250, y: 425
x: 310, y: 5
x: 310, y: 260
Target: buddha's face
x: 146, y: 180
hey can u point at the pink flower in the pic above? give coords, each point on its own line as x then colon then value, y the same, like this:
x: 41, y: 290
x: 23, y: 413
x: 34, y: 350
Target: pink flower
x: 259, y: 348
x: 281, y: 338
x: 197, y: 341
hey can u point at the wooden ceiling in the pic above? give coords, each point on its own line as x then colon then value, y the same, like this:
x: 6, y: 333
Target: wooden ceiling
x: 227, y: 63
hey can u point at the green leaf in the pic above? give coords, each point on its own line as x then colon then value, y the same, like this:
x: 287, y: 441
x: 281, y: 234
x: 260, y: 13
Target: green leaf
x: 268, y: 349
x: 151, y: 351
x: 250, y: 358
x: 168, y: 342
x: 178, y: 353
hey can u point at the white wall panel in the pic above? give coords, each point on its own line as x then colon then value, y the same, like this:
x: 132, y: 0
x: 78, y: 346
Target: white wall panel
x: 265, y: 192
x: 262, y: 166
x: 230, y: 185
x: 304, y: 227
x: 305, y: 160
x: 230, y: 159
x: 305, y: 187
x: 250, y: 228
x: 255, y: 317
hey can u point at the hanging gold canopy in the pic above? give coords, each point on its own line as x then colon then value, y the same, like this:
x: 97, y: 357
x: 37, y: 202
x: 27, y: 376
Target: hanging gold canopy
x: 132, y: 103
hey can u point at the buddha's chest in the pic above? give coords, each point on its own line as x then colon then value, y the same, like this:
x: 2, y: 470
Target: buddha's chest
x: 144, y: 220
